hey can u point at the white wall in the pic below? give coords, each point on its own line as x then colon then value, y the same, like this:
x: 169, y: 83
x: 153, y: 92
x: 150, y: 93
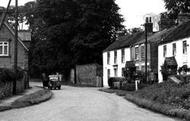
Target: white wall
x: 180, y: 57
x: 110, y: 66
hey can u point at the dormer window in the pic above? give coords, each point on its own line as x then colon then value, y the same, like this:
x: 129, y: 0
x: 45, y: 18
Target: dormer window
x: 4, y: 48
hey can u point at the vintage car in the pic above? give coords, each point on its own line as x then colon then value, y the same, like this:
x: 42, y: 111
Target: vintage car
x: 54, y: 82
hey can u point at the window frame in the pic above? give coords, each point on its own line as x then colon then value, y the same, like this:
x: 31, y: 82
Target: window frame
x: 108, y: 57
x: 115, y: 57
x: 174, y: 49
x: 164, y: 50
x: 184, y: 47
x: 142, y: 52
x: 137, y: 53
x: 123, y: 55
x: 4, y: 44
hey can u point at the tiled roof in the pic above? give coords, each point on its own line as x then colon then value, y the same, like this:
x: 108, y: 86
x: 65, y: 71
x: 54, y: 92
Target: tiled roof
x: 125, y: 41
x: 25, y: 35
x: 157, y: 37
x: 179, y: 32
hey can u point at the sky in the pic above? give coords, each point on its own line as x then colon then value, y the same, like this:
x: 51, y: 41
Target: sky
x: 133, y: 11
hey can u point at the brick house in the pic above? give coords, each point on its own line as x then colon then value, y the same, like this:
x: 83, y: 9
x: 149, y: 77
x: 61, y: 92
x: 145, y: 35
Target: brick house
x: 138, y: 51
x: 7, y: 47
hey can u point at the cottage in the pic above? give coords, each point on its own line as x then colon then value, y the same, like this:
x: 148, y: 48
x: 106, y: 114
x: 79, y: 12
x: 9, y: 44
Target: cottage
x: 115, y: 56
x: 7, y: 47
x: 175, y: 44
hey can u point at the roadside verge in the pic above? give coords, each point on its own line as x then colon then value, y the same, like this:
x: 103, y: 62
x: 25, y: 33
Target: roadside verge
x: 152, y: 105
x: 28, y: 100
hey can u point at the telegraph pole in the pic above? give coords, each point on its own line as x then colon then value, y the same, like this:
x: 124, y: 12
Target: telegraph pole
x: 15, y: 44
x: 146, y: 31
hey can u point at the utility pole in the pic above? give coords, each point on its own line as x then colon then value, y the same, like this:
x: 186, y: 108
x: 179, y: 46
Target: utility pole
x: 146, y: 73
x: 15, y: 44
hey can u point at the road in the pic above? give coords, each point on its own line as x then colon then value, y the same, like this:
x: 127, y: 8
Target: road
x: 83, y: 104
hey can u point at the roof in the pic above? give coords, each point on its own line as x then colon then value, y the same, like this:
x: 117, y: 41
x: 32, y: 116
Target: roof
x: 25, y: 35
x: 125, y: 41
x: 157, y: 37
x: 179, y: 32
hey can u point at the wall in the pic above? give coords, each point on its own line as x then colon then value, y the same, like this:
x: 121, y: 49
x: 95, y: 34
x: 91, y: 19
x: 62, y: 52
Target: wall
x: 119, y: 64
x: 180, y: 57
x: 89, y: 75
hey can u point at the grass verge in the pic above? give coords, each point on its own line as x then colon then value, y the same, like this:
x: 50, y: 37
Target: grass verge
x: 31, y: 99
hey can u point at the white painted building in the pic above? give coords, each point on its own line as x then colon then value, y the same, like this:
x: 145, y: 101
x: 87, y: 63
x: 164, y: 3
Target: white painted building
x: 177, y: 45
x: 114, y: 63
x: 116, y: 55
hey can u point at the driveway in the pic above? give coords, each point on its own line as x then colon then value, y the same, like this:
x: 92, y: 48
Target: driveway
x: 83, y: 104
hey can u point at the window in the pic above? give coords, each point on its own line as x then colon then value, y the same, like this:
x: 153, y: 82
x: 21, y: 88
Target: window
x: 123, y: 55
x: 136, y: 53
x: 174, y: 49
x: 115, y: 72
x: 123, y: 72
x: 115, y: 57
x: 164, y: 50
x: 4, y: 48
x: 108, y: 73
x: 108, y: 58
x: 142, y: 53
x: 184, y: 47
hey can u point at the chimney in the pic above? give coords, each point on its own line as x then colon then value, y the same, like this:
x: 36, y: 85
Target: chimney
x: 183, y: 17
x: 149, y: 25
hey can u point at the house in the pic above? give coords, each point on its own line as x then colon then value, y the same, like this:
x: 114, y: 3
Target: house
x: 176, y: 44
x: 7, y: 47
x: 138, y: 51
x: 116, y: 55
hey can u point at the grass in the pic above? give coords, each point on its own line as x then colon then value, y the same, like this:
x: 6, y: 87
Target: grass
x: 167, y: 98
x: 31, y: 99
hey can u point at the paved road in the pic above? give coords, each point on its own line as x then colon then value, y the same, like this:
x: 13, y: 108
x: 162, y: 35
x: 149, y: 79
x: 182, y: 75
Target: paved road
x: 83, y: 104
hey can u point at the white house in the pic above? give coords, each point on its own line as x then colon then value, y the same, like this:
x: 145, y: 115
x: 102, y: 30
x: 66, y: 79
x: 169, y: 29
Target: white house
x: 175, y: 44
x: 115, y: 57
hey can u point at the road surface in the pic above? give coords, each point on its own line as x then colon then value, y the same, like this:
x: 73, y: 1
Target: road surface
x: 83, y: 104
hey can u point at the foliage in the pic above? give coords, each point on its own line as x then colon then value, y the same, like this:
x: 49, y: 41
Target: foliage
x: 70, y: 32
x: 7, y: 75
x: 174, y: 7
x: 10, y: 75
x: 167, y: 93
x: 115, y: 79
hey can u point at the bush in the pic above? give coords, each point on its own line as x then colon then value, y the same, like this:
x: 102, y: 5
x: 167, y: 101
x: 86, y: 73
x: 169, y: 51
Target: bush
x: 7, y: 75
x: 10, y: 75
x: 131, y: 86
x: 115, y: 79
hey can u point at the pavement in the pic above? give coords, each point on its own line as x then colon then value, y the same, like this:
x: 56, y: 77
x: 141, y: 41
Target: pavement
x: 6, y: 103
x: 83, y: 104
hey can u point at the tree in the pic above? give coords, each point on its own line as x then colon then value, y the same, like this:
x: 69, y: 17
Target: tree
x: 70, y: 32
x: 174, y: 7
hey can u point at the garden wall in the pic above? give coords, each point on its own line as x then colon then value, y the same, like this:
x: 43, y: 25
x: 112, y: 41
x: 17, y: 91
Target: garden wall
x: 89, y: 75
